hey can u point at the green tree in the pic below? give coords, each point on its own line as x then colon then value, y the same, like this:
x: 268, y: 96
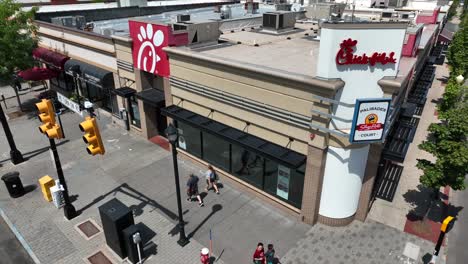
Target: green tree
x: 448, y: 143
x: 457, y: 55
x: 17, y: 39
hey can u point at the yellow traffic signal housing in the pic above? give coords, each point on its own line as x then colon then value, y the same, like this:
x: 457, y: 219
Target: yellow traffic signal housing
x: 54, y: 132
x: 92, y: 136
x: 446, y: 223
x: 47, y: 117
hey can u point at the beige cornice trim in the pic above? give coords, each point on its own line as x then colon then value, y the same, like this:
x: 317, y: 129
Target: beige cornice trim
x: 83, y: 33
x: 328, y: 87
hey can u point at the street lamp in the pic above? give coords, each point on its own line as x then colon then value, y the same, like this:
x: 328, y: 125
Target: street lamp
x: 15, y: 154
x: 172, y: 135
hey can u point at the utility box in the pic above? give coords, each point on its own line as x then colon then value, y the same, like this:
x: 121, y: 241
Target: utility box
x: 46, y: 183
x: 57, y: 195
x: 115, y: 217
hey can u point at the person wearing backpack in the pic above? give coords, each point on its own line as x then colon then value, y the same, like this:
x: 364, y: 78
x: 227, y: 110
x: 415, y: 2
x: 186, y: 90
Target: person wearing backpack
x: 211, y: 179
x: 192, y: 189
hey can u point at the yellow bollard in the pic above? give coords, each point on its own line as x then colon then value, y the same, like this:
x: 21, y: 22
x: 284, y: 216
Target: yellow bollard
x: 46, y: 182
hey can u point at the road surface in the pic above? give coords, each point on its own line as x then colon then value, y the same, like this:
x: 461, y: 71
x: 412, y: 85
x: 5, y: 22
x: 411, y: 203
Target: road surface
x: 11, y: 251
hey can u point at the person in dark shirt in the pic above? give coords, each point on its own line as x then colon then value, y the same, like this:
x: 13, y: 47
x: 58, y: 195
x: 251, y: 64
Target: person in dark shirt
x: 270, y: 254
x: 192, y: 189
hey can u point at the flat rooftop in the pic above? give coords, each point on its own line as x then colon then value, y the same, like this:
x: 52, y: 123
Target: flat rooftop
x: 120, y: 26
x: 291, y: 53
x: 427, y: 33
x: 268, y: 51
x: 92, y: 6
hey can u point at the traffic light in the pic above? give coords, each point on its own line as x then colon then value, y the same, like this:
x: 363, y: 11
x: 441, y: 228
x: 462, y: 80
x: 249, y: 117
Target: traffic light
x: 47, y: 117
x: 92, y: 136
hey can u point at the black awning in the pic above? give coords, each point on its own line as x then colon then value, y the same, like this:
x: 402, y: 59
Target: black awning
x: 89, y: 73
x: 153, y: 97
x: 270, y: 150
x: 408, y: 109
x: 125, y: 92
x: 73, y: 67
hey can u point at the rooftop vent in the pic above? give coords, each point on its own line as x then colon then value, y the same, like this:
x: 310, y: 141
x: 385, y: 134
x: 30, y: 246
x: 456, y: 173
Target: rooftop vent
x: 182, y: 18
x: 78, y: 22
x: 278, y: 20
x: 226, y: 12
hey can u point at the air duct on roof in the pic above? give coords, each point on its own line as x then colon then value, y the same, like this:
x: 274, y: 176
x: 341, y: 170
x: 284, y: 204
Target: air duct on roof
x: 279, y: 20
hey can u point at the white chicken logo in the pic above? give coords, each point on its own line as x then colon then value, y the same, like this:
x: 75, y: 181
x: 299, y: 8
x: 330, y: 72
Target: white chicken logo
x: 148, y: 40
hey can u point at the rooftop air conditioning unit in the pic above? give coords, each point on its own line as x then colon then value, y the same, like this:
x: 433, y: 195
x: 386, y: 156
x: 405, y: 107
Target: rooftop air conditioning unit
x: 182, y: 18
x: 80, y: 22
x: 66, y: 21
x: 283, y: 7
x: 279, y: 20
x: 387, y: 14
x: 70, y: 21
x: 107, y: 31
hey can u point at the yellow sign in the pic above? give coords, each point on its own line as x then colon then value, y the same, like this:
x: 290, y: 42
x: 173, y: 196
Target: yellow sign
x: 445, y: 223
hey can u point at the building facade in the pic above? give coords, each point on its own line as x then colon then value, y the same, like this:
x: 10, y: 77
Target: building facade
x: 273, y: 110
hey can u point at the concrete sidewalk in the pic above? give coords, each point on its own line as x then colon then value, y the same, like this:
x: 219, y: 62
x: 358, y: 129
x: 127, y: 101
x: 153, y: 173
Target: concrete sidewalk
x: 139, y: 174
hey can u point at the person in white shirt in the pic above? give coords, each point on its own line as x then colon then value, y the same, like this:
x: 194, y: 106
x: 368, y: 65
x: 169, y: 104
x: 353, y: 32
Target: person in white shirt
x: 211, y: 179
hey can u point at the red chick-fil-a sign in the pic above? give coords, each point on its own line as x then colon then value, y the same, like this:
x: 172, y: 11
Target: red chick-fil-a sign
x: 346, y: 56
x: 148, y: 43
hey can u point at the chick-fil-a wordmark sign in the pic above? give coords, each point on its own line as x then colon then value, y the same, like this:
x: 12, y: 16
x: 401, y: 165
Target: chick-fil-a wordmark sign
x: 346, y: 56
x: 369, y: 120
x: 148, y: 43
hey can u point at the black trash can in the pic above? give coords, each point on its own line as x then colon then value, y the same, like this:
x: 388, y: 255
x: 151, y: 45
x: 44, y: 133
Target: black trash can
x: 13, y: 184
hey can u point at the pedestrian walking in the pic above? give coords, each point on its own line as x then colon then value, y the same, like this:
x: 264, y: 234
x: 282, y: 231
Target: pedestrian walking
x: 192, y: 189
x: 205, y: 256
x: 259, y: 254
x: 211, y: 179
x: 270, y: 254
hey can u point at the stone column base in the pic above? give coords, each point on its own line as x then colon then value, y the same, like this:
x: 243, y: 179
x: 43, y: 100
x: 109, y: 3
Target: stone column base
x: 334, y: 221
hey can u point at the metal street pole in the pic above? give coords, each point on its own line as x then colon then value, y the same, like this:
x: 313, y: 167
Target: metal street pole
x: 443, y: 230
x: 68, y: 210
x: 15, y: 154
x: 182, y: 238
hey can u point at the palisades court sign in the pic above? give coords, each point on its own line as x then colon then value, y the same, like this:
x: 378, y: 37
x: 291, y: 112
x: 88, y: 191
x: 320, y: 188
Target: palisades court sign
x: 370, y: 116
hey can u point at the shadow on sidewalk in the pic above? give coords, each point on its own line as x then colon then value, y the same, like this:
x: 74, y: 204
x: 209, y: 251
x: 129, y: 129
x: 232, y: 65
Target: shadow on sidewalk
x: 28, y: 155
x: 137, y: 209
x: 421, y: 200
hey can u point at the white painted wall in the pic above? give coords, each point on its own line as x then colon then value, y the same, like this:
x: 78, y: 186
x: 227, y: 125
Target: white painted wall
x: 342, y: 183
x: 79, y: 53
x: 344, y: 168
x: 361, y: 80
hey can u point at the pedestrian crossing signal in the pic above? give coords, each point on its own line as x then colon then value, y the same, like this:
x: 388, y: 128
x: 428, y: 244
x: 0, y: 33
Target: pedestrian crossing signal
x: 47, y: 117
x: 92, y: 137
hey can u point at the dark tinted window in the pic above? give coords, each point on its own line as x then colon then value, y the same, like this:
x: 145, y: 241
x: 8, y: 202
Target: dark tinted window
x: 189, y: 139
x: 216, y: 151
x: 247, y: 166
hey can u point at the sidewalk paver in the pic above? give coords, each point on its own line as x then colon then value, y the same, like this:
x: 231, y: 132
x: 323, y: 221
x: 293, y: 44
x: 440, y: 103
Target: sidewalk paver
x: 409, y: 196
x: 139, y: 173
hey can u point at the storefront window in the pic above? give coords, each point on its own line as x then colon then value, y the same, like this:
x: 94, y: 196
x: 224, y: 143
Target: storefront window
x: 62, y: 82
x: 189, y: 139
x: 248, y: 166
x: 276, y: 179
x: 135, y: 112
x: 284, y: 183
x: 216, y: 151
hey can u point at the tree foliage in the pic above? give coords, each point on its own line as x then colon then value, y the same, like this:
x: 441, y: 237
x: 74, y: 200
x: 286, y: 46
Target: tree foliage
x: 447, y: 140
x: 453, y: 9
x: 17, y: 39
